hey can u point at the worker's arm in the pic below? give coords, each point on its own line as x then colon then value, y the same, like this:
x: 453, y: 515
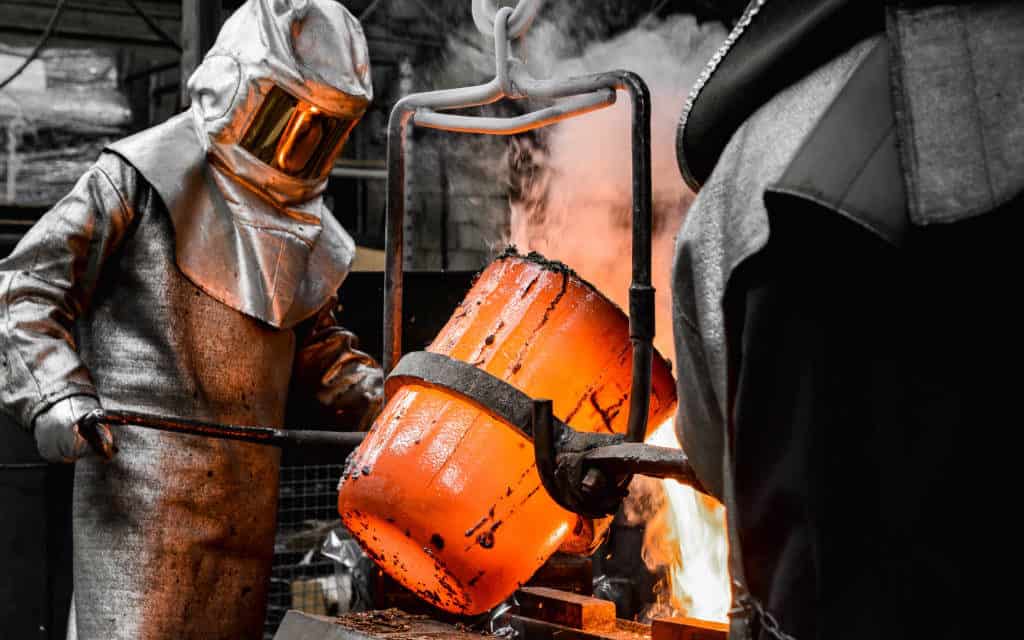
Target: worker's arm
x: 46, y: 284
x: 334, y: 383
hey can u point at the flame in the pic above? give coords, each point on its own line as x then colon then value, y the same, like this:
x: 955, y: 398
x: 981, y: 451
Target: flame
x: 687, y: 536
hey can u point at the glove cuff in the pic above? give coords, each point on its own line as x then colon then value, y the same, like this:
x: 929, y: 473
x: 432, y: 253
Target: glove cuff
x: 56, y: 437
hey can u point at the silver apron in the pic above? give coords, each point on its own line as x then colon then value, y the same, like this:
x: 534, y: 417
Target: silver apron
x: 174, y: 537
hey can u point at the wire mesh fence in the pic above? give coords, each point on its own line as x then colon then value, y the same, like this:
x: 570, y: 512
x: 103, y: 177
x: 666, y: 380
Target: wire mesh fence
x: 301, y: 577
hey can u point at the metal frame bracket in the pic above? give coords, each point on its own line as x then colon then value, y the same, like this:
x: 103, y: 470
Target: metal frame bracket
x: 573, y: 97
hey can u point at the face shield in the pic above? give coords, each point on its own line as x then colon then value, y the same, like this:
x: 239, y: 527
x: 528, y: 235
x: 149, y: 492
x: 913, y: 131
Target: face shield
x: 296, y: 137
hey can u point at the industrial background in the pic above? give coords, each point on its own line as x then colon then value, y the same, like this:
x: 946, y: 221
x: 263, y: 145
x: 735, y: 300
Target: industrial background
x: 98, y: 70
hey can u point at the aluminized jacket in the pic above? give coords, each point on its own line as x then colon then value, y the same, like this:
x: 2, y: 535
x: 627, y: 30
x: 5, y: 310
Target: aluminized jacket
x: 173, y: 537
x: 184, y: 277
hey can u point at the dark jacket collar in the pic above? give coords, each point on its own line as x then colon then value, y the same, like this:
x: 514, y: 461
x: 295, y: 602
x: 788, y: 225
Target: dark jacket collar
x: 773, y: 45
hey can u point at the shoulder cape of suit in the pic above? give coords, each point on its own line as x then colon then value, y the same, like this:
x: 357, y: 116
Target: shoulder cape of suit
x: 267, y: 271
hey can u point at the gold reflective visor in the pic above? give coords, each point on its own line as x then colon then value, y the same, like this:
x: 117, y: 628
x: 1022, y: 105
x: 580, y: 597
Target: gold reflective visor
x: 296, y: 137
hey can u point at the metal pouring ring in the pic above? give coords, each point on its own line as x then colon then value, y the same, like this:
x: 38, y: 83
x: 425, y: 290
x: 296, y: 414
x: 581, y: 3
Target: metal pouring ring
x: 487, y: 391
x: 520, y: 20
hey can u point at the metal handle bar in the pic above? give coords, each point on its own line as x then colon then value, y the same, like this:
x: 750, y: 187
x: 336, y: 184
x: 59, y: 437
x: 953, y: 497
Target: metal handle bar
x: 513, y: 82
x: 260, y: 435
x: 568, y: 108
x: 589, y: 473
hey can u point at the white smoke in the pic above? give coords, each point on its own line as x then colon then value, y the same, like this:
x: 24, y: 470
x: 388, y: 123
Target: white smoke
x: 572, y: 189
x: 572, y: 202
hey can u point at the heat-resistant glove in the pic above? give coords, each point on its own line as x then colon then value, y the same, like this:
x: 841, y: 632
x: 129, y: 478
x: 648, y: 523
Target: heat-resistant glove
x: 334, y: 384
x: 57, y: 433
x: 354, y: 386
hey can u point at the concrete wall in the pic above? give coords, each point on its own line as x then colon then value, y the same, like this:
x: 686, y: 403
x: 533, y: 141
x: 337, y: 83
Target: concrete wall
x: 457, y: 200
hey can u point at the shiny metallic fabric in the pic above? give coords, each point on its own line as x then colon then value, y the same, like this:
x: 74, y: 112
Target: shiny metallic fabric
x: 275, y: 263
x: 313, y: 49
x: 247, y: 234
x: 174, y: 536
x: 183, y: 277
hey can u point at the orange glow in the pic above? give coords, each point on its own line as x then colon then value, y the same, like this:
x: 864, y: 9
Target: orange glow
x: 301, y: 139
x: 448, y: 500
x: 688, y: 535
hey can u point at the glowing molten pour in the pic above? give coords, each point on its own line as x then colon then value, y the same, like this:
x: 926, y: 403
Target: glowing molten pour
x: 689, y: 536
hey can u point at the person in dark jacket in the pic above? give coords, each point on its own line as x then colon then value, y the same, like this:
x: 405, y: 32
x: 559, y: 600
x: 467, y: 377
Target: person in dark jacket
x: 837, y: 300
x: 192, y: 273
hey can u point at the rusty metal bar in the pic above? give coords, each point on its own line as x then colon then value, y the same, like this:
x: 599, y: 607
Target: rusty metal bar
x: 568, y: 108
x: 539, y: 630
x: 259, y: 435
x: 644, y: 459
x: 588, y: 473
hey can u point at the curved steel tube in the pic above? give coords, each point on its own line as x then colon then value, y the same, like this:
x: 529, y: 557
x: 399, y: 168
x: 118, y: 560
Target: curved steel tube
x: 641, y: 293
x: 544, y: 438
x: 242, y: 433
x: 563, y: 456
x: 512, y: 81
x: 569, y: 108
x: 644, y: 459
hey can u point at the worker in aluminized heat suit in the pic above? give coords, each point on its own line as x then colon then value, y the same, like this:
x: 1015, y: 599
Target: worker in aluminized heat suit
x: 193, y: 272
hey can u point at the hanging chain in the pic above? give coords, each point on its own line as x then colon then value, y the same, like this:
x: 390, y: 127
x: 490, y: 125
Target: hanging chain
x: 745, y: 603
x: 709, y: 69
x: 505, y: 25
x: 485, y: 11
x: 712, y: 65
